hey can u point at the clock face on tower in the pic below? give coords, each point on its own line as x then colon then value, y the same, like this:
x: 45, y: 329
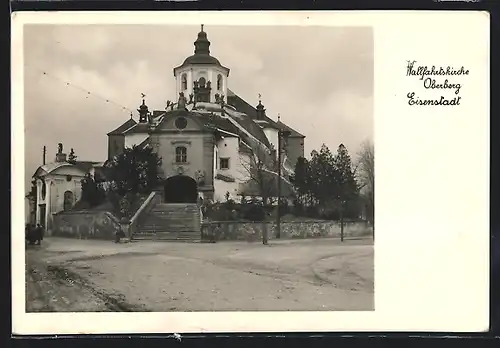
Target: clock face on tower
x: 181, y: 123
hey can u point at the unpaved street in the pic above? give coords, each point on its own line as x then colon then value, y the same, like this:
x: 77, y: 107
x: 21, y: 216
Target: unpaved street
x: 319, y: 274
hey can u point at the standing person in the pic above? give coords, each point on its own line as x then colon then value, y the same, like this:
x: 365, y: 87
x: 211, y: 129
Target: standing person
x: 38, y: 237
x: 31, y: 234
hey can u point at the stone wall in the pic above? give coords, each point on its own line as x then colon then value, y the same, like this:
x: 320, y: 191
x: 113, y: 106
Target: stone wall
x: 252, y: 231
x: 86, y: 225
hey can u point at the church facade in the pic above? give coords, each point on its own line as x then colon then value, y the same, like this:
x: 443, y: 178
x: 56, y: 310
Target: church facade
x: 210, y: 140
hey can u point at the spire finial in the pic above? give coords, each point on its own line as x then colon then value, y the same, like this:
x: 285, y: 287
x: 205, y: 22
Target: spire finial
x: 279, y: 117
x: 202, y: 27
x: 131, y: 116
x: 260, y: 97
x: 143, y: 110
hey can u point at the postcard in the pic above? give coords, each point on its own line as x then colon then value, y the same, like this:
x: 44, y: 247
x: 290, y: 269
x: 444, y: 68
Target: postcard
x: 197, y: 172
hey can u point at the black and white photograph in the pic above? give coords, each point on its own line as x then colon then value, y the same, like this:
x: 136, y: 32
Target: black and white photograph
x: 190, y: 172
x: 199, y: 168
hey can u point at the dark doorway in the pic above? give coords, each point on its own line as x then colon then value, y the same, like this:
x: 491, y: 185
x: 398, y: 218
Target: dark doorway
x: 181, y: 189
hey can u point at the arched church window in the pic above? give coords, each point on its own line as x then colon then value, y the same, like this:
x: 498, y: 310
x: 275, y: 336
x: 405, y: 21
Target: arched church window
x: 180, y: 154
x: 184, y: 82
x: 202, y: 81
x: 219, y: 82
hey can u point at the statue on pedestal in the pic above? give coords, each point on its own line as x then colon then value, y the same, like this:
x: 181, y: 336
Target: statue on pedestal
x: 181, y: 104
x: 200, y: 177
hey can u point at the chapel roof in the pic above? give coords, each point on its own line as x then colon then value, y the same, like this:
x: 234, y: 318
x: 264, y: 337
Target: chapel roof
x: 84, y: 166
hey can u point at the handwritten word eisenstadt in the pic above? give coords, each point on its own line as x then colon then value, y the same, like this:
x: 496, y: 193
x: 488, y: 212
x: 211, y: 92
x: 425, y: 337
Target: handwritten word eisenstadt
x: 412, y: 100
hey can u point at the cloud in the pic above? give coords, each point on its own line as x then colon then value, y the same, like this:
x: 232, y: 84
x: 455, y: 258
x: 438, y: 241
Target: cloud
x: 319, y: 79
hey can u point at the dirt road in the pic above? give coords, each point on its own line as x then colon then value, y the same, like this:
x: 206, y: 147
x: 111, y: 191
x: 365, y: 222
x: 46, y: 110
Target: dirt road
x: 320, y: 274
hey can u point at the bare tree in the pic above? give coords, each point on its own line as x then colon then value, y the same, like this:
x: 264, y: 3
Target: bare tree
x: 366, y: 176
x: 260, y: 181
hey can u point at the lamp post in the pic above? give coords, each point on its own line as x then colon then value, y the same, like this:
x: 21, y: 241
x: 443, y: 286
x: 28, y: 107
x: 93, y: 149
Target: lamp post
x: 282, y: 134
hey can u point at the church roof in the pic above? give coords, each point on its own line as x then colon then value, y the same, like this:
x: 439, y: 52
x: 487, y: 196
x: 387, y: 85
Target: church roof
x: 245, y: 148
x: 201, y: 54
x: 144, y: 143
x: 157, y: 113
x: 137, y: 128
x: 201, y: 59
x: 244, y: 121
x: 293, y: 132
x: 126, y: 125
x: 242, y: 106
x: 218, y: 122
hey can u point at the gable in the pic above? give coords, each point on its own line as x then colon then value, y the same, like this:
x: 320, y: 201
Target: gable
x: 179, y: 121
x: 68, y: 170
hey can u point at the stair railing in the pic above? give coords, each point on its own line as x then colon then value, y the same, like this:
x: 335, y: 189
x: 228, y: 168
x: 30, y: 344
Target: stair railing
x: 144, y: 209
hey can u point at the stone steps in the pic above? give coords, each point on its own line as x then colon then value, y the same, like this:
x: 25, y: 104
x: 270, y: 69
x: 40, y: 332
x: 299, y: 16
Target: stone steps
x: 171, y: 222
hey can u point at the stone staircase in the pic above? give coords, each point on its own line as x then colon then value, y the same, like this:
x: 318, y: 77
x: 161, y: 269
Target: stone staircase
x: 171, y: 222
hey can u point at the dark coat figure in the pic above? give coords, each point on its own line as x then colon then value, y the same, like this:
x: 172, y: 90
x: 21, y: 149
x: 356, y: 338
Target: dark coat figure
x: 119, y: 235
x: 37, y: 235
x: 33, y: 234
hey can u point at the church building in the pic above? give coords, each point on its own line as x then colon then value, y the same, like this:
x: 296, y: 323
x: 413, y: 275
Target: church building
x: 213, y: 144
x: 211, y: 141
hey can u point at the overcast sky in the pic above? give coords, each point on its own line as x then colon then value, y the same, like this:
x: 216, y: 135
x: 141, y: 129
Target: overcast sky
x: 319, y: 79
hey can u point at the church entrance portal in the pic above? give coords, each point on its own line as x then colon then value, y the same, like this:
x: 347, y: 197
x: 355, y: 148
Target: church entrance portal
x: 180, y: 189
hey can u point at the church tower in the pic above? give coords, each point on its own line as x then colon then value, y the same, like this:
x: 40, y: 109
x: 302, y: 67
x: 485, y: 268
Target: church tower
x: 201, y: 74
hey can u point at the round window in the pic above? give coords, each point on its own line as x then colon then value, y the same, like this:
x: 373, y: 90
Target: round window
x: 181, y: 123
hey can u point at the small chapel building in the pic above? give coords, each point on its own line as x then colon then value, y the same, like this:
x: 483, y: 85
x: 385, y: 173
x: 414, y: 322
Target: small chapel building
x: 58, y: 186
